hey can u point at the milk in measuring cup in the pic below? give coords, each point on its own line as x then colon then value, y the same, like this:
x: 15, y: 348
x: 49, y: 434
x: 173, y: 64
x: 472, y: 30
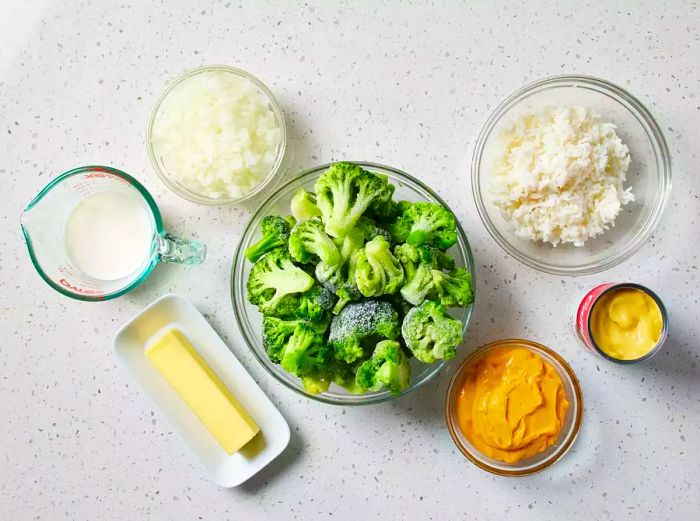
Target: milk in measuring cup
x: 109, y: 235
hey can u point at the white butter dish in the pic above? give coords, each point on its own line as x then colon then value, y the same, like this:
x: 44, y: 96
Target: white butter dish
x: 224, y: 469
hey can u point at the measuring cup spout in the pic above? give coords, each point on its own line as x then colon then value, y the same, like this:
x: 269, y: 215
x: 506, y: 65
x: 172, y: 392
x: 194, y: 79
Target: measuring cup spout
x: 180, y: 251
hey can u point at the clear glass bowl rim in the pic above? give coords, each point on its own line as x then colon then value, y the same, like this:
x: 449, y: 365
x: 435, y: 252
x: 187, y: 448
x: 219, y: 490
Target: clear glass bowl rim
x: 350, y: 399
x: 193, y: 196
x: 656, y: 138
x: 563, y: 446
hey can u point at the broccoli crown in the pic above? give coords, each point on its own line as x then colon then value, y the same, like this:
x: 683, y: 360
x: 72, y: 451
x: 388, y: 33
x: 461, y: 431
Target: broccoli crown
x: 370, y: 229
x: 419, y: 286
x: 418, y: 263
x: 443, y: 260
x: 276, y: 333
x: 347, y: 292
x: 454, y: 288
x: 305, y: 352
x: 384, y: 212
x: 425, y: 223
x: 430, y: 333
x: 303, y: 205
x: 377, y: 271
x: 272, y: 277
x: 316, y: 383
x: 313, y: 304
x: 308, y: 242
x: 275, y: 233
x: 360, y: 323
x: 343, y: 194
x: 387, y: 367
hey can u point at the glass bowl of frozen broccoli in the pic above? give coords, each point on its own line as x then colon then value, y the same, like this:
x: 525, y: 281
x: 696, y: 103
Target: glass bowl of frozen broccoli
x: 353, y: 283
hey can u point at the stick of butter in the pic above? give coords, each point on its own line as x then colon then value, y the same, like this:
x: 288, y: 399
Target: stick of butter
x: 202, y: 390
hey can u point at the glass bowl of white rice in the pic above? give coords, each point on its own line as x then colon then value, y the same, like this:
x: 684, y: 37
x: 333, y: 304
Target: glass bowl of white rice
x: 217, y: 136
x: 570, y: 175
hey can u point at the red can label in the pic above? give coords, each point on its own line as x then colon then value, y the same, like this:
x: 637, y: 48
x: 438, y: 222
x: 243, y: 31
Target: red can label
x: 584, y: 312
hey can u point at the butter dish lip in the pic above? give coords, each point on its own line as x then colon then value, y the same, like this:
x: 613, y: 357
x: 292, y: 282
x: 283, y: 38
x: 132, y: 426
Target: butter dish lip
x: 225, y: 470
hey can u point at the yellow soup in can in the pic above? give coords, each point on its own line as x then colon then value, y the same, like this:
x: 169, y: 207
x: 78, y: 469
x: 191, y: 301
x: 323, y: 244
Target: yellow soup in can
x: 626, y: 323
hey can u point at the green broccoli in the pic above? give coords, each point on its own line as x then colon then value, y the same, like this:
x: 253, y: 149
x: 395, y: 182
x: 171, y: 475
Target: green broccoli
x: 343, y: 375
x: 343, y: 194
x: 275, y: 335
x: 316, y: 383
x: 313, y: 304
x: 273, y: 277
x: 305, y: 353
x: 430, y: 333
x: 384, y: 212
x: 454, y: 288
x: 275, y: 233
x: 387, y: 367
x: 359, y: 324
x: 341, y: 279
x: 348, y: 292
x: 425, y: 223
x: 370, y: 229
x: 334, y: 276
x: 277, y: 331
x: 418, y: 263
x: 377, y: 271
x: 304, y: 205
x: 309, y: 242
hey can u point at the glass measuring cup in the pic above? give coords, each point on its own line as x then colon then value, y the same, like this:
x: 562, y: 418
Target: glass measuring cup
x: 44, y: 223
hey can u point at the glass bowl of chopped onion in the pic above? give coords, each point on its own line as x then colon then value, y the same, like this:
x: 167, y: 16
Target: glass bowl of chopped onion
x: 571, y: 174
x: 250, y: 319
x: 217, y: 136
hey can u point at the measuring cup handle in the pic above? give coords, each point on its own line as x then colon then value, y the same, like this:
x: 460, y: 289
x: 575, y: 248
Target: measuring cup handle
x: 180, y: 251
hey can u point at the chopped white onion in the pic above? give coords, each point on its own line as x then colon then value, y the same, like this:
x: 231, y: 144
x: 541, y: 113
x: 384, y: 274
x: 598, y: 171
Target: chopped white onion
x: 216, y: 134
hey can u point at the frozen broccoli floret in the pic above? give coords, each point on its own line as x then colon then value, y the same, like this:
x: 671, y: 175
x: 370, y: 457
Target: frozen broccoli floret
x: 370, y: 229
x: 316, y: 383
x: 384, y: 212
x: 425, y: 223
x: 305, y: 353
x: 308, y: 242
x: 387, y: 367
x: 313, y: 304
x: 277, y: 331
x: 275, y: 233
x: 343, y: 194
x: 377, y: 271
x: 333, y: 276
x: 418, y: 263
x: 344, y: 376
x: 430, y: 333
x: 360, y: 324
x: 348, y: 292
x: 273, y: 277
x: 304, y: 205
x: 275, y: 335
x: 454, y: 288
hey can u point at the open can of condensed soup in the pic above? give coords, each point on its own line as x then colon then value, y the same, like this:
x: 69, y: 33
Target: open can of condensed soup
x: 621, y: 322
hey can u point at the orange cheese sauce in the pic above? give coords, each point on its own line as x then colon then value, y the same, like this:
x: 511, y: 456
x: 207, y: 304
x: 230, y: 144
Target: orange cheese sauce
x: 512, y: 404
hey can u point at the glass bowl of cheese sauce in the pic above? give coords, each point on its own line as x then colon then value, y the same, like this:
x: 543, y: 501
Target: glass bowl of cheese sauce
x: 514, y: 407
x: 622, y: 322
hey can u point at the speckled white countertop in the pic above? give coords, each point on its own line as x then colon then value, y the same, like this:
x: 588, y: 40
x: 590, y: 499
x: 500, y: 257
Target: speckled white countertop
x: 409, y: 86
